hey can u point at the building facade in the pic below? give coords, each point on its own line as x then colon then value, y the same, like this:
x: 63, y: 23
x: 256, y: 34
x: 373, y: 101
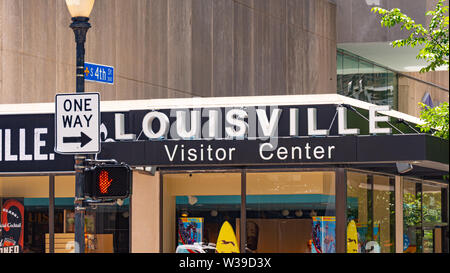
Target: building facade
x: 240, y: 54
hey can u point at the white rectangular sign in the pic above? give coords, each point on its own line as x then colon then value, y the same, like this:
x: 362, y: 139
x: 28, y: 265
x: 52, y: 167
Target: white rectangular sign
x: 77, y: 123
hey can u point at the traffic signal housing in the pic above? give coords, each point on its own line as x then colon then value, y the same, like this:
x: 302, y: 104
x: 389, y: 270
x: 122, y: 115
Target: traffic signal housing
x: 108, y: 181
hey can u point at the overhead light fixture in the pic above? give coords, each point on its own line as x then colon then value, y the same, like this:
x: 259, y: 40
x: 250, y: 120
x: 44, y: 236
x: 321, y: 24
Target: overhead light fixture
x: 192, y: 200
x: 403, y: 168
x: 80, y: 8
x: 299, y: 213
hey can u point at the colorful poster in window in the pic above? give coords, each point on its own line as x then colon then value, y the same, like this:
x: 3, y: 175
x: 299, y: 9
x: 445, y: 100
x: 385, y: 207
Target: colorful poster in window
x: 190, y: 230
x: 12, y: 225
x: 324, y: 234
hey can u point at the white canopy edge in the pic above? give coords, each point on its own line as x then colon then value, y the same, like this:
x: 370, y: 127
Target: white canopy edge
x: 200, y: 102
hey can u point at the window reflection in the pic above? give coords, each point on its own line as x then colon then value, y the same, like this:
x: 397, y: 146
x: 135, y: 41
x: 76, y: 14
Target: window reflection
x: 370, y: 208
x: 365, y: 81
x: 291, y: 212
x: 24, y: 214
x: 201, y: 212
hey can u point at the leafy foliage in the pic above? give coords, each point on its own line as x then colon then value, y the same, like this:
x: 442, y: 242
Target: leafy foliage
x: 436, y: 120
x: 434, y: 38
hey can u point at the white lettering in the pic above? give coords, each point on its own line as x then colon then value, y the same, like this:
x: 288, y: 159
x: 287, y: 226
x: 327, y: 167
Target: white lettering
x: 266, y: 152
x: 212, y: 128
x: 22, y: 152
x: 235, y: 117
x: 171, y: 156
x: 1, y: 144
x: 293, y: 122
x: 38, y: 143
x: 312, y: 124
x: 330, y: 149
x: 163, y: 125
x: 268, y: 128
x: 319, y: 152
x: 261, y: 149
x: 282, y: 153
x: 342, y: 123
x: 120, y: 128
x: 194, y: 127
x: 8, y: 155
x: 374, y: 120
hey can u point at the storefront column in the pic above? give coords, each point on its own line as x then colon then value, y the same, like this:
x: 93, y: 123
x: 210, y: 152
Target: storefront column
x: 243, y: 222
x: 341, y: 210
x: 445, y: 217
x: 398, y: 214
x: 145, y: 213
x: 51, y: 214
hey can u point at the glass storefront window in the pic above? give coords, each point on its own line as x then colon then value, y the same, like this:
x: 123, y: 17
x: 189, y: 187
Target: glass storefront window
x: 412, y: 217
x: 24, y: 214
x: 106, y: 227
x: 432, y: 208
x: 370, y: 208
x: 291, y: 212
x: 422, y: 217
x: 201, y: 212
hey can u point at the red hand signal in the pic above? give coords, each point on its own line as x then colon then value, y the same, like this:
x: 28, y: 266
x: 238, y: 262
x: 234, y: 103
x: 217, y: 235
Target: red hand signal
x: 104, y: 181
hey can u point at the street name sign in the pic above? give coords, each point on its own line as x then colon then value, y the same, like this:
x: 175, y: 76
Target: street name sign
x: 77, y: 123
x: 98, y: 73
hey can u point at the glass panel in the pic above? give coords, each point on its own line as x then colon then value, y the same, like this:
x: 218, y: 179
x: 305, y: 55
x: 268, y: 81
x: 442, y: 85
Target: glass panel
x: 381, y: 93
x: 365, y: 81
x: 384, y: 212
x: 106, y: 227
x: 358, y: 208
x: 24, y: 214
x: 349, y: 76
x: 431, y: 207
x: 392, y: 86
x: 428, y: 239
x: 196, y: 210
x: 370, y: 205
x: 291, y: 212
x: 339, y: 64
x: 412, y: 217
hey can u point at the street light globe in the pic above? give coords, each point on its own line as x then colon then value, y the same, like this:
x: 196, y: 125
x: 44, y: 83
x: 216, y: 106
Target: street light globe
x: 80, y: 8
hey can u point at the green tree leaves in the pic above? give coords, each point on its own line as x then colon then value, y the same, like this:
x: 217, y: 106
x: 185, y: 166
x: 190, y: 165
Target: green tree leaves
x: 434, y: 38
x: 435, y: 42
x: 436, y: 120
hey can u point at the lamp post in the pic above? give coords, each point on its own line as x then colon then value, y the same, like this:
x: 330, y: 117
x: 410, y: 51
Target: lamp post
x: 80, y: 11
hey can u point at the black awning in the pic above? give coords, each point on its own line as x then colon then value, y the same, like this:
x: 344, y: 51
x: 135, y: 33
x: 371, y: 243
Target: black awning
x: 429, y: 154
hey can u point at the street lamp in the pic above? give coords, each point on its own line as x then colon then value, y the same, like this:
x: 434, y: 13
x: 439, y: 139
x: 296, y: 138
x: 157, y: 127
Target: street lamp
x: 80, y: 11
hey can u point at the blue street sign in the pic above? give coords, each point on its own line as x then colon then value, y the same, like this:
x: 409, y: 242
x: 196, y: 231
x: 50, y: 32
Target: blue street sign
x: 98, y: 73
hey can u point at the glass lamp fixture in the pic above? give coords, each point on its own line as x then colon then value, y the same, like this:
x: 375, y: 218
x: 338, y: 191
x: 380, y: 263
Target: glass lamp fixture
x: 80, y: 8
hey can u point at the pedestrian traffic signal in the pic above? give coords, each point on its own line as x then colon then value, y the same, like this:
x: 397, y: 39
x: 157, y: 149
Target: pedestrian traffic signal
x: 108, y: 181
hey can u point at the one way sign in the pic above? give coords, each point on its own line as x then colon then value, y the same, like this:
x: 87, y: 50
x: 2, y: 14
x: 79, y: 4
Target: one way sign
x: 77, y: 123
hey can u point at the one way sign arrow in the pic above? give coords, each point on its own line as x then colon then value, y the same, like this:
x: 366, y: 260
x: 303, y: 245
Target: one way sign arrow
x: 83, y: 139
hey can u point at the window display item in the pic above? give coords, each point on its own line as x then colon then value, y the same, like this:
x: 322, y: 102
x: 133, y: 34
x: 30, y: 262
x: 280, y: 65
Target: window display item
x: 323, y: 234
x: 226, y: 242
x: 352, y: 238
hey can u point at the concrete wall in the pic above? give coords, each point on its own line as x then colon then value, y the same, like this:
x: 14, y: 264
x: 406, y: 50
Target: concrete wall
x: 356, y: 24
x: 171, y: 48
